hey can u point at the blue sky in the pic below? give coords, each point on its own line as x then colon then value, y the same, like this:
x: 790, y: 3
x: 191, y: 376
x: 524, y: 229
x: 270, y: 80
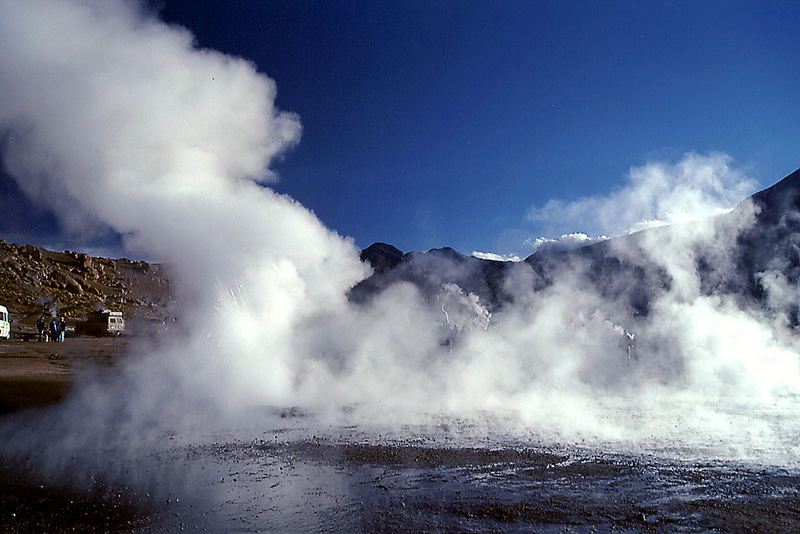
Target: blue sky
x: 429, y: 124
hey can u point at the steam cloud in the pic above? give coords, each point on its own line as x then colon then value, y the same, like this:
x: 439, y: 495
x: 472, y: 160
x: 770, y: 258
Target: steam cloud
x: 495, y: 257
x: 656, y: 194
x: 564, y: 242
x: 117, y: 119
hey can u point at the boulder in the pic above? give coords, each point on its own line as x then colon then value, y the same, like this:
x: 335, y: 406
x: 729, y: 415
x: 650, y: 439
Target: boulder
x: 14, y: 265
x: 67, y: 282
x: 85, y: 261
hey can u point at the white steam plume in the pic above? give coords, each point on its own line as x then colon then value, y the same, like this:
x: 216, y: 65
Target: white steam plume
x: 117, y: 119
x: 494, y: 256
x: 656, y: 194
x: 563, y: 242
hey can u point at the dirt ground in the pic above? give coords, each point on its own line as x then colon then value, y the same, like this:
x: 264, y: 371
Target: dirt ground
x: 34, y: 374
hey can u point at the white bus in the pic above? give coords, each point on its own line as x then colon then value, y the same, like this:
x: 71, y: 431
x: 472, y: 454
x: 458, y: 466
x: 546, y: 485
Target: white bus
x: 5, y: 323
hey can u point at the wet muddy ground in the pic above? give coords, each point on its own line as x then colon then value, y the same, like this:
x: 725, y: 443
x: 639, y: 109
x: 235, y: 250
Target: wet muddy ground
x: 361, y: 487
x: 287, y: 472
x: 316, y: 486
x: 35, y: 504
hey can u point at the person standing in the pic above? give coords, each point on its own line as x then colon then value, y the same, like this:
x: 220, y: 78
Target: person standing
x: 62, y: 328
x: 40, y: 328
x: 53, y: 329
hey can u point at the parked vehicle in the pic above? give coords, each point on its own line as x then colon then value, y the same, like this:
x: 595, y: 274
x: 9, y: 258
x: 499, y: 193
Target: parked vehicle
x: 103, y: 323
x: 5, y: 323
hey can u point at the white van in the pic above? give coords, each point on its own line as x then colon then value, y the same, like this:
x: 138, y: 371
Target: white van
x: 103, y: 323
x: 5, y: 323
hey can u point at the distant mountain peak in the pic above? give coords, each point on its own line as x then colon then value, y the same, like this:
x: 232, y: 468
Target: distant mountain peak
x: 775, y: 201
x: 382, y: 256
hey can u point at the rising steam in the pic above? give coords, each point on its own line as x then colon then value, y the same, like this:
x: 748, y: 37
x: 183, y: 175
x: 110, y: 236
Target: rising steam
x: 116, y: 119
x: 656, y: 194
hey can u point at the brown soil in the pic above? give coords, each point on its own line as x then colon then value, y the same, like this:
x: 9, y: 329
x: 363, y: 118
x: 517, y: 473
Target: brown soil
x: 34, y: 374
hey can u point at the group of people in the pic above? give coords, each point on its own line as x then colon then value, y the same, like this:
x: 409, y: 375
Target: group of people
x: 52, y: 330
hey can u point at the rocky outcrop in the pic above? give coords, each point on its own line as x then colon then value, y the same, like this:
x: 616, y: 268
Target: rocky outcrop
x: 430, y: 271
x: 382, y: 257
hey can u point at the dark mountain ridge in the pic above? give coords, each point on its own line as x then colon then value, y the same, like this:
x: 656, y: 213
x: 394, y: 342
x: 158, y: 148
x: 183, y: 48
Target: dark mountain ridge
x: 760, y: 234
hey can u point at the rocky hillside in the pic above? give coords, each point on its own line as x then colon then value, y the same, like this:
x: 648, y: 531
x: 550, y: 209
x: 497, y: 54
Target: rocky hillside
x: 35, y: 280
